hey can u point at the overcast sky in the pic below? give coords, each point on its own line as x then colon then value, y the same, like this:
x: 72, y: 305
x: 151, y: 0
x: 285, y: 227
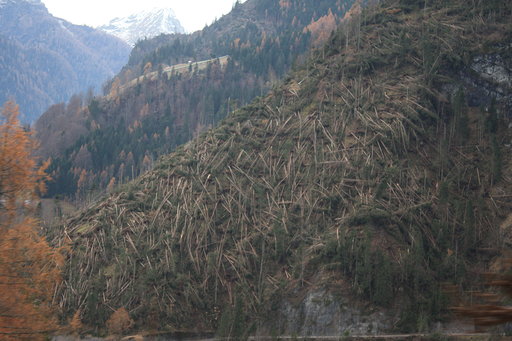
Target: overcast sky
x: 193, y: 14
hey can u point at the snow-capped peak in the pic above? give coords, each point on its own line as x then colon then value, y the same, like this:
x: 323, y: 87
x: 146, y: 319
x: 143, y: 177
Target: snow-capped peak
x: 144, y: 24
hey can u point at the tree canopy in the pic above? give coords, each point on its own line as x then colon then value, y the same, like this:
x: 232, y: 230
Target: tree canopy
x: 29, y: 267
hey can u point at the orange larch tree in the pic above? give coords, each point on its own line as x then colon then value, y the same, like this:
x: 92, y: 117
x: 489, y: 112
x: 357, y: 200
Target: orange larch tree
x: 322, y: 29
x: 29, y: 267
x: 119, y: 322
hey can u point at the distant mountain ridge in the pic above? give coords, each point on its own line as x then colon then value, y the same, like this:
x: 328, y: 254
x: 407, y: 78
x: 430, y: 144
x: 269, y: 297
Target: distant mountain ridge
x: 45, y: 60
x: 145, y: 24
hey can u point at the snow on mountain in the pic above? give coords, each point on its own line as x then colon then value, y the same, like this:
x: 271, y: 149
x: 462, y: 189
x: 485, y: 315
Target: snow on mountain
x: 145, y: 24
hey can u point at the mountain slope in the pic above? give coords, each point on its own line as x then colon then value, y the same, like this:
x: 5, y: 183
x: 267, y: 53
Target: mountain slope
x: 147, y: 112
x: 239, y: 32
x: 378, y: 170
x: 144, y: 25
x: 45, y: 60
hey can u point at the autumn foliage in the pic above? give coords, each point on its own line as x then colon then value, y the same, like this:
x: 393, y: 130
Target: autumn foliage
x: 76, y: 325
x: 119, y: 322
x: 321, y: 29
x: 29, y: 267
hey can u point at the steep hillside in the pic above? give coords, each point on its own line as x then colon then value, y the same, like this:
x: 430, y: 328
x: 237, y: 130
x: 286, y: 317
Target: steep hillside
x: 45, y: 60
x: 337, y: 204
x: 147, y: 112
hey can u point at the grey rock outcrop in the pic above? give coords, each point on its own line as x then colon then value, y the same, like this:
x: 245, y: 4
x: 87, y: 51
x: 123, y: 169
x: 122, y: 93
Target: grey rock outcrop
x: 322, y: 313
x: 490, y: 76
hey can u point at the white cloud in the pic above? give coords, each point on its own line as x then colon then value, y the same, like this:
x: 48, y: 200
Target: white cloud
x: 193, y: 14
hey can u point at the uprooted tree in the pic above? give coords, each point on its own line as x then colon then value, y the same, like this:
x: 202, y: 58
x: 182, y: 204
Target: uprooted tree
x: 29, y: 267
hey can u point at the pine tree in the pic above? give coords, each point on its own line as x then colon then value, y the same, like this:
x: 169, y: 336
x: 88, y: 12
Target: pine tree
x: 29, y: 267
x: 461, y: 116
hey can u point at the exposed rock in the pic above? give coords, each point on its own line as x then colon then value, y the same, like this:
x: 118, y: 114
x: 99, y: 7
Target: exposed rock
x: 489, y: 76
x: 322, y: 313
x: 493, y: 69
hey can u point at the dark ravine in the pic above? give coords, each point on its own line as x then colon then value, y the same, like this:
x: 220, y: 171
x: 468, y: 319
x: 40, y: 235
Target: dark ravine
x: 336, y: 204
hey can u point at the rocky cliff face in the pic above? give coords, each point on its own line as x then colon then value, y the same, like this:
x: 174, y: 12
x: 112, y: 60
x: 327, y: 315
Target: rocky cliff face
x: 321, y: 312
x: 490, y: 76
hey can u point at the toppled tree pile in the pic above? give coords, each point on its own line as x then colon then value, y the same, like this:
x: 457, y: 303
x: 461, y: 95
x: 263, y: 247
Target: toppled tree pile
x: 382, y: 161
